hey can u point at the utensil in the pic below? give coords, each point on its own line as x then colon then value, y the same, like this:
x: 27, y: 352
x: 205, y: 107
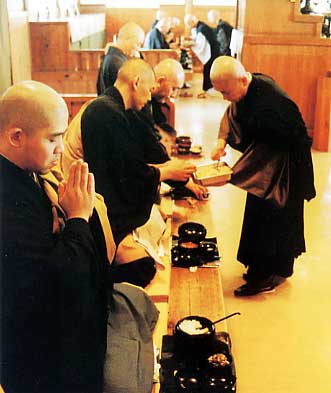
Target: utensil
x: 195, y: 344
x: 228, y: 316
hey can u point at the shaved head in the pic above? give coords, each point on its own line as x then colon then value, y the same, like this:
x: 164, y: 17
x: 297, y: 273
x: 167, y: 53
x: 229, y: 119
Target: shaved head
x: 213, y: 17
x: 133, y: 68
x: 135, y: 81
x: 33, y: 118
x: 130, y: 29
x: 229, y: 77
x: 30, y: 105
x: 170, y: 77
x: 171, y: 70
x: 226, y: 67
x: 190, y: 20
x: 163, y: 25
x: 160, y: 14
x: 130, y: 38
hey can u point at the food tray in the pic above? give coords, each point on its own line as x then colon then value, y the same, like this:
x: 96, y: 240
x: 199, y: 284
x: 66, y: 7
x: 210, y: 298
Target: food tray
x: 170, y: 363
x: 212, y: 174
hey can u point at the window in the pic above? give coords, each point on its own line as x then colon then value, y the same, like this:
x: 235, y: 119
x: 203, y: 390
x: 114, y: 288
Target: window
x: 132, y: 4
x: 172, y: 2
x: 215, y: 2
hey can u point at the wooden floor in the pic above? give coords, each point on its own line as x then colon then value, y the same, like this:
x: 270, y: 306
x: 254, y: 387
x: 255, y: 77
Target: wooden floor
x: 282, y: 340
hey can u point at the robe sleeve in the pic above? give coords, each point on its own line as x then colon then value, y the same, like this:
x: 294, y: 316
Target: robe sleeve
x: 201, y: 48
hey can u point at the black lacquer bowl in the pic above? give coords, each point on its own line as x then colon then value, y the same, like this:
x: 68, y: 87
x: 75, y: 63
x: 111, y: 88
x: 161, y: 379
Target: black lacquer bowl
x: 192, y: 232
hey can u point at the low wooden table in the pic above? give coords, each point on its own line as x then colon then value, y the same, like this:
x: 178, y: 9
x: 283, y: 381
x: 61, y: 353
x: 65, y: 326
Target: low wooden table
x: 199, y: 292
x: 192, y: 293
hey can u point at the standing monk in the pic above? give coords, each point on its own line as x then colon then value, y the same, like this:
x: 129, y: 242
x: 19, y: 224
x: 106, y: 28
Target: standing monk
x: 205, y: 47
x: 272, y: 237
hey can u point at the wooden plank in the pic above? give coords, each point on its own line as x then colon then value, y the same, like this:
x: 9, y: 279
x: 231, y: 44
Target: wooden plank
x: 69, y: 82
x: 75, y: 101
x: 322, y: 128
x: 154, y: 56
x: 49, y: 45
x: 195, y: 293
x: 199, y: 292
x: 286, y: 64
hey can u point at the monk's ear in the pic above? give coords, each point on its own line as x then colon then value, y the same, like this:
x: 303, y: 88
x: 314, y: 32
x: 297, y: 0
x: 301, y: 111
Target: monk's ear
x: 15, y: 136
x: 160, y: 80
x: 244, y: 80
x: 135, y: 82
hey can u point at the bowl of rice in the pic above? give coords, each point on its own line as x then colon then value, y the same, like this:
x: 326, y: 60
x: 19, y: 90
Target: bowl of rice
x: 194, y: 336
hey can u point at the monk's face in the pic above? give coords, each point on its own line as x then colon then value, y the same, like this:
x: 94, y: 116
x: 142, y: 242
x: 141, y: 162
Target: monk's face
x: 41, y: 149
x: 142, y: 93
x: 232, y: 89
x: 166, y: 88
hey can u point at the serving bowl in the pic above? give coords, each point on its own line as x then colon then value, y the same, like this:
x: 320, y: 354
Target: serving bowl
x: 185, y: 256
x: 194, y: 337
x: 192, y: 232
x: 208, y: 251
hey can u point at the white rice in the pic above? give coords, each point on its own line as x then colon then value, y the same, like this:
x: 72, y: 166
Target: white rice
x: 192, y: 327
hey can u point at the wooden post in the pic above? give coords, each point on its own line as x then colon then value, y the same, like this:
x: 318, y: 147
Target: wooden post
x: 188, y: 10
x: 322, y: 126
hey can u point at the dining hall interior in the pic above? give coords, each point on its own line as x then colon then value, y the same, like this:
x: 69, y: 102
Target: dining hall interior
x: 281, y: 341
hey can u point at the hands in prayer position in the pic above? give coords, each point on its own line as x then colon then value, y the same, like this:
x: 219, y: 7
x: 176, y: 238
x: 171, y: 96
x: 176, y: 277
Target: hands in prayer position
x: 77, y: 194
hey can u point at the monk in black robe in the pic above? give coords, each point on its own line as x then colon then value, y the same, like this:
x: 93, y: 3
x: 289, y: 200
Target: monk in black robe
x: 156, y: 38
x: 205, y: 47
x: 272, y: 236
x: 115, y: 153
x: 129, y: 40
x: 53, y: 299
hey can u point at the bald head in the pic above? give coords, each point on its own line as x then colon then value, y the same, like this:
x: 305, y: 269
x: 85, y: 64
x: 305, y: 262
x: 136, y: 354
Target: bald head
x: 213, y: 16
x: 30, y: 105
x: 33, y: 118
x: 130, y: 38
x: 171, y: 70
x: 135, y: 81
x: 160, y: 14
x: 229, y: 77
x: 163, y: 25
x: 170, y: 77
x: 190, y: 20
x: 133, y: 68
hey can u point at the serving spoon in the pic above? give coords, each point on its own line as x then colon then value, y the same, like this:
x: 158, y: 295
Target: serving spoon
x: 228, y: 316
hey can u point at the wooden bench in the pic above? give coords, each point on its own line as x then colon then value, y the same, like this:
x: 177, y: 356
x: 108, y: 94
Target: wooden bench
x: 200, y: 292
x: 154, y: 56
x: 190, y: 293
x: 75, y: 101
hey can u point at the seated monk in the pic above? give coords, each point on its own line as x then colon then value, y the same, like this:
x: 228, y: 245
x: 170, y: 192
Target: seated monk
x: 161, y: 136
x: 59, y: 309
x: 53, y: 253
x: 115, y: 153
x: 129, y: 40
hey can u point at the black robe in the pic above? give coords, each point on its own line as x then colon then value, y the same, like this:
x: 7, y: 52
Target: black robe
x: 223, y: 36
x: 115, y: 155
x: 112, y: 62
x: 156, y: 40
x: 210, y: 35
x: 143, y: 124
x: 272, y: 237
x: 53, y: 301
